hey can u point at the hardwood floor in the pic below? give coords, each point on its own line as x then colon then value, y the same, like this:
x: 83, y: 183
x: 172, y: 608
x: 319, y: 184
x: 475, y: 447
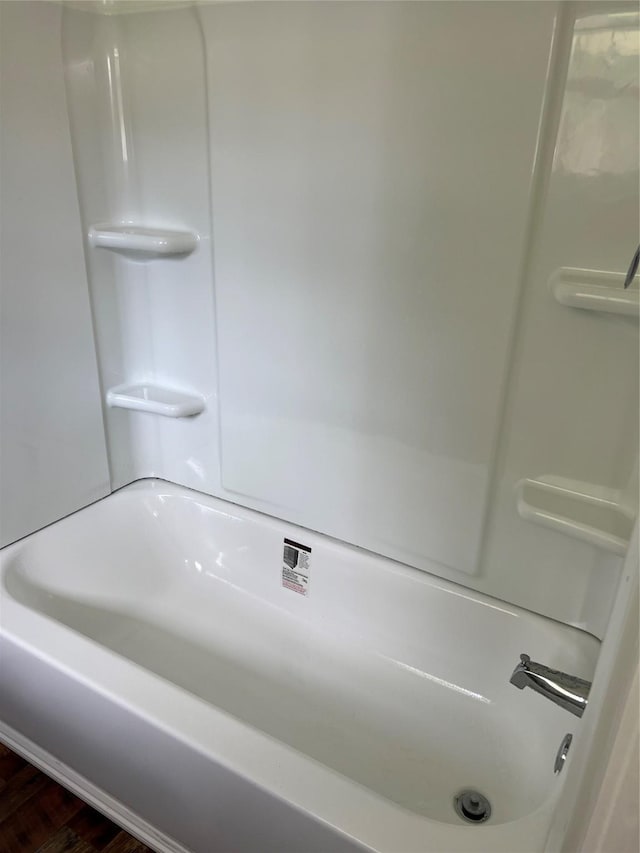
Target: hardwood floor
x: 39, y: 816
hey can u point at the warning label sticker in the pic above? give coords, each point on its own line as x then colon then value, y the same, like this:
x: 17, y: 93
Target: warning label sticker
x: 296, y: 563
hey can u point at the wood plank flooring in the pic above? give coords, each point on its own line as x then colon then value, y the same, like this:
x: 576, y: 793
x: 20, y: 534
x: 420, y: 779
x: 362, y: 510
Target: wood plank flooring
x: 39, y: 816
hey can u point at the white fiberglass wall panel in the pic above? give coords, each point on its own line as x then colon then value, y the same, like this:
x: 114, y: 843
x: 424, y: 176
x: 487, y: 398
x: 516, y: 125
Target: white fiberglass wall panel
x: 138, y: 111
x: 572, y: 408
x: 371, y: 169
x: 53, y: 456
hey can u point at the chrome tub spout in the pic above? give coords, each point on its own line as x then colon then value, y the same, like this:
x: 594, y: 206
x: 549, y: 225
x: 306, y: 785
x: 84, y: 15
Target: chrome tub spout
x: 568, y: 691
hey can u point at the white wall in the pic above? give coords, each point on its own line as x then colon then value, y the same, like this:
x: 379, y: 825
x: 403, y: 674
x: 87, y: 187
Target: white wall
x: 382, y: 193
x: 614, y: 823
x: 137, y: 105
x: 371, y: 166
x: 572, y: 403
x: 52, y: 447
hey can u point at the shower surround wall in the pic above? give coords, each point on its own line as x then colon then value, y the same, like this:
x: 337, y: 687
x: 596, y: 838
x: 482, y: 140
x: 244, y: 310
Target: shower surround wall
x: 139, y: 124
x: 382, y: 193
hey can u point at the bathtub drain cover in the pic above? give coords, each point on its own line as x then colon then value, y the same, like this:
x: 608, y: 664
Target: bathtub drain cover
x: 472, y: 806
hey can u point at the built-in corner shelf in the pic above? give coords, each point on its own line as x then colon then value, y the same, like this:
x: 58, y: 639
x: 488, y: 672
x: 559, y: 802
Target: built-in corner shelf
x: 595, y: 290
x: 155, y: 399
x: 585, y: 511
x: 141, y: 242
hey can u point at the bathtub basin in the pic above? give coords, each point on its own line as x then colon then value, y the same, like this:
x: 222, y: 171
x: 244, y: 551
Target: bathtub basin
x: 356, y: 703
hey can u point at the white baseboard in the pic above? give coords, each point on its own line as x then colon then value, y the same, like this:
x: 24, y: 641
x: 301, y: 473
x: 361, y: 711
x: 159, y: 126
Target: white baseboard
x: 91, y: 794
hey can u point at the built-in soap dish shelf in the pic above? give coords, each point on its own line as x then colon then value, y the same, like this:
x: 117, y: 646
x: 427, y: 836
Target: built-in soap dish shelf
x: 156, y: 399
x: 142, y: 243
x: 591, y: 513
x: 595, y: 290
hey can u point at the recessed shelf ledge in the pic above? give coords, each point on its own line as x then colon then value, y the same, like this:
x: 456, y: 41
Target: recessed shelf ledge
x: 155, y: 399
x: 595, y: 290
x: 142, y: 242
x: 584, y: 511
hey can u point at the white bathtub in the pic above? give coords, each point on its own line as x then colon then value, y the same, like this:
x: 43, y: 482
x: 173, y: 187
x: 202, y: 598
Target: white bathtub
x: 149, y: 645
